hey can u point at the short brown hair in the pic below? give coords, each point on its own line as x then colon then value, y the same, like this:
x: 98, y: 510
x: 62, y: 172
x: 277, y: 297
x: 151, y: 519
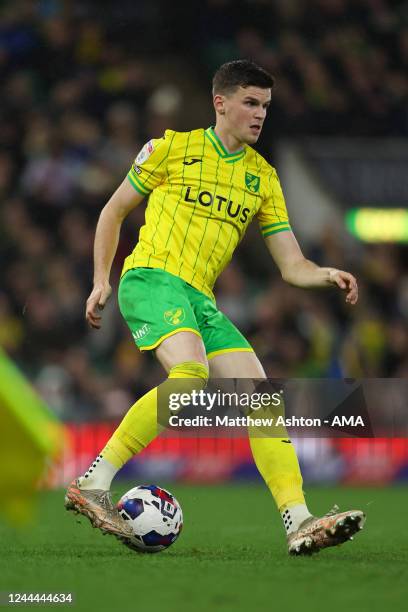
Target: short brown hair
x: 240, y: 73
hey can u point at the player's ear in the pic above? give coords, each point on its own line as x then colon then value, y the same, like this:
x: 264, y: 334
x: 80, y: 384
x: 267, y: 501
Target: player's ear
x: 219, y: 104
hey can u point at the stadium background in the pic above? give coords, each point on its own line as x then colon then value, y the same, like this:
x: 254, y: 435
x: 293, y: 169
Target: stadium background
x: 84, y: 86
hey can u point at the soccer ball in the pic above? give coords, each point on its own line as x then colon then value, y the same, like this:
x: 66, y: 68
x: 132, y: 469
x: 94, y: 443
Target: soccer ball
x: 154, y: 515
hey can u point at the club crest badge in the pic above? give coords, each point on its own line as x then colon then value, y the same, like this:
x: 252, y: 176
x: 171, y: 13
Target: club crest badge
x: 174, y: 316
x: 252, y: 182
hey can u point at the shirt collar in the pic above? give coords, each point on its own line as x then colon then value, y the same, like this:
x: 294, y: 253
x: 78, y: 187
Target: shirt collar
x: 221, y: 150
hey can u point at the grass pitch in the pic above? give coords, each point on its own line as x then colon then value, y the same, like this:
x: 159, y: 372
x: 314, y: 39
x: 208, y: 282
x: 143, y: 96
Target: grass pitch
x: 231, y: 555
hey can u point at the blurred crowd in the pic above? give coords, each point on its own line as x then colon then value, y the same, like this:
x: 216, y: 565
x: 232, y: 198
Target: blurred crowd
x: 83, y: 87
x: 341, y: 64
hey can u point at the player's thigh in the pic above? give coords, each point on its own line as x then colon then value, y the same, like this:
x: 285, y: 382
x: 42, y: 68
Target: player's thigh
x: 236, y: 364
x: 220, y: 335
x: 158, y: 312
x: 179, y: 348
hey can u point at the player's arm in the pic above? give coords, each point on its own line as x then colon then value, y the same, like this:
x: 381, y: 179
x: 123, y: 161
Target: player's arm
x: 123, y: 201
x: 300, y: 272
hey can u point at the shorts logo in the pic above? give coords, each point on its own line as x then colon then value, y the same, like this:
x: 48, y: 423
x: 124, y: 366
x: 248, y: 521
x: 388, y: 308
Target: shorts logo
x: 174, y: 316
x: 141, y: 333
x: 145, y: 153
x: 252, y: 182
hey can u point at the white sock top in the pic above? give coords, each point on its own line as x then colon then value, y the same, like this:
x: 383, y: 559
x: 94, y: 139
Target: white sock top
x: 99, y: 475
x: 293, y: 517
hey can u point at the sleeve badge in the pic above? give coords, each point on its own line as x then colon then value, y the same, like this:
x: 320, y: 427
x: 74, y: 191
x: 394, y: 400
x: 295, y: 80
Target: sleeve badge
x: 145, y: 153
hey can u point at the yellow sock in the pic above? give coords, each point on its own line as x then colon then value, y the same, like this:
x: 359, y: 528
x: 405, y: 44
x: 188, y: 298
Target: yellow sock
x: 276, y: 460
x: 139, y: 427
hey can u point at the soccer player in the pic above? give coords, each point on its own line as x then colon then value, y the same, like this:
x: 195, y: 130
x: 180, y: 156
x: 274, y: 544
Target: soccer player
x: 204, y: 189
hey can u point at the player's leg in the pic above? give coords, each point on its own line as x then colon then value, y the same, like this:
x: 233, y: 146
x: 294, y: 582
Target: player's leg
x: 183, y: 357
x: 275, y: 457
x: 161, y: 319
x: 276, y: 460
x: 231, y: 356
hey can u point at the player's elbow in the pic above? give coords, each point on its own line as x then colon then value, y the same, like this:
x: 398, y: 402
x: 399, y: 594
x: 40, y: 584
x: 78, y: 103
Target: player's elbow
x: 116, y: 209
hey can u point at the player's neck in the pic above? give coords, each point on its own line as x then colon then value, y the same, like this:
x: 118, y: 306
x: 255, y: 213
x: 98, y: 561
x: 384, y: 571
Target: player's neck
x: 231, y: 144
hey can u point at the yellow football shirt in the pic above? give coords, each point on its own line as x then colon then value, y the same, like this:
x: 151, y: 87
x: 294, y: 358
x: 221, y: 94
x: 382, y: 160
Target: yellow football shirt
x: 201, y: 201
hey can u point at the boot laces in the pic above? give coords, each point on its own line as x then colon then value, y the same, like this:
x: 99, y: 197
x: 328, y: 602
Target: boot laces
x: 106, y: 501
x: 333, y: 511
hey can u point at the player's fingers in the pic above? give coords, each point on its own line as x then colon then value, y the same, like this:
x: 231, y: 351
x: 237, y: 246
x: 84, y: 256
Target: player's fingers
x: 340, y: 281
x: 352, y: 295
x: 103, y: 298
x: 95, y: 303
x: 94, y: 323
x: 91, y: 312
x: 345, y: 280
x: 92, y: 318
x: 91, y: 309
x: 101, y: 302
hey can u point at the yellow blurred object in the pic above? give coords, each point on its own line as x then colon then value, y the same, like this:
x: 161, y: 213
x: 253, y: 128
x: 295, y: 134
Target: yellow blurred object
x: 378, y: 224
x: 30, y: 439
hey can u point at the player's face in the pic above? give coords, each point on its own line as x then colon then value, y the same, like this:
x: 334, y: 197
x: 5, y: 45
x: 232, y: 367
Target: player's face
x: 245, y: 111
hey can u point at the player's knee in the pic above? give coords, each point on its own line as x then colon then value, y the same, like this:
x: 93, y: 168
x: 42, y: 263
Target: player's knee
x: 191, y: 370
x: 187, y: 377
x: 184, y: 378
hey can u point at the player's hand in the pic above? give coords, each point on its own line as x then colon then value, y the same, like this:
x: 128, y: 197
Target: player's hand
x: 346, y: 282
x: 95, y: 303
